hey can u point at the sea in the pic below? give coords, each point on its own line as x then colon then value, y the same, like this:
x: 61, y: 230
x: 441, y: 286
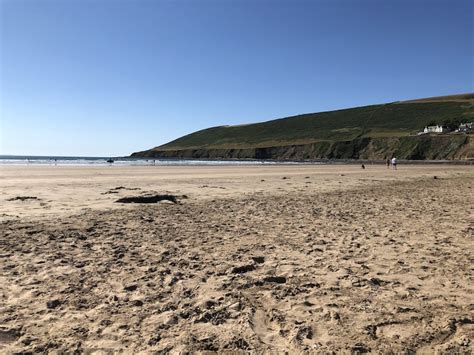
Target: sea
x: 124, y: 161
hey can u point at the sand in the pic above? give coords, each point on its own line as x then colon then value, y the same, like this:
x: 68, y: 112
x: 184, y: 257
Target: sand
x: 274, y: 258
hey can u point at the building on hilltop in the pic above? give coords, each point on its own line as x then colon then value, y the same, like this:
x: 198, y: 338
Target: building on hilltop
x: 435, y: 129
x: 466, y: 127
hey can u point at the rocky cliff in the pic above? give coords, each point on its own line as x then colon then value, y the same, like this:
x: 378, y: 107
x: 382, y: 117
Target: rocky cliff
x: 427, y: 147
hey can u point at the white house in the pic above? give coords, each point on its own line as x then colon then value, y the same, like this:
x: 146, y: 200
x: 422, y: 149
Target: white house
x: 435, y: 129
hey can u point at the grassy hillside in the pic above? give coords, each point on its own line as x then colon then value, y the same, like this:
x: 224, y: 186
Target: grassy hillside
x: 461, y: 97
x: 398, y: 119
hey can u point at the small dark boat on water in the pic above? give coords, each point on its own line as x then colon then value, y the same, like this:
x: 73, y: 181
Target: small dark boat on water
x: 110, y: 161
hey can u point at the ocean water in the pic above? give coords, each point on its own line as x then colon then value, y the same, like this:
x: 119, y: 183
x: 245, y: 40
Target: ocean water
x: 122, y: 161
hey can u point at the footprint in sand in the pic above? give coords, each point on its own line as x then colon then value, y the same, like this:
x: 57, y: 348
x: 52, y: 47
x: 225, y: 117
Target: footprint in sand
x: 267, y: 331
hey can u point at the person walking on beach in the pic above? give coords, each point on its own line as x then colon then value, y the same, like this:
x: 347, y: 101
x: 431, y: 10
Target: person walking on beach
x: 388, y: 163
x: 394, y: 163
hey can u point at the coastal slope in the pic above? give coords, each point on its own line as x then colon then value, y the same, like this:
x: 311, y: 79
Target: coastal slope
x: 369, y: 132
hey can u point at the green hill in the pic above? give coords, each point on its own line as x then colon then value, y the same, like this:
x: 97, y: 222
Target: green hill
x: 322, y: 133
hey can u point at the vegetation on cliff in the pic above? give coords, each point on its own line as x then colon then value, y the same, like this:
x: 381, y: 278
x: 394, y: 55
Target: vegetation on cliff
x: 372, y: 132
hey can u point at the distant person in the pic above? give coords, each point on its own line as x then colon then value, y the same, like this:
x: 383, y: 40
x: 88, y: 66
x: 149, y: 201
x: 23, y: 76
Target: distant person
x: 362, y: 166
x: 388, y: 163
x: 394, y: 163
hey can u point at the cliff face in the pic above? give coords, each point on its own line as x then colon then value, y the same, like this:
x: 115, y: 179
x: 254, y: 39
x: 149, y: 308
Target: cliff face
x: 429, y: 147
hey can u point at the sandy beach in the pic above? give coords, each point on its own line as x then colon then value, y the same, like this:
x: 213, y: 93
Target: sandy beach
x: 327, y: 258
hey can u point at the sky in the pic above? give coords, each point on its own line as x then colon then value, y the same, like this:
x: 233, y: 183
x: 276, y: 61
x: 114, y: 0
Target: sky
x: 111, y: 77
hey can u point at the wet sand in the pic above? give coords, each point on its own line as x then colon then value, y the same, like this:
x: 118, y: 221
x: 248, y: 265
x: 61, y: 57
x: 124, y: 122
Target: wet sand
x: 274, y: 258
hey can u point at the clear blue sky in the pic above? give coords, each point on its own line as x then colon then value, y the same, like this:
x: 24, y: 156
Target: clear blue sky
x: 110, y: 77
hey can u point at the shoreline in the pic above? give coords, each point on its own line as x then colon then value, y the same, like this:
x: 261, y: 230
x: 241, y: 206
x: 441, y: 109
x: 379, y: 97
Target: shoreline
x: 90, y: 161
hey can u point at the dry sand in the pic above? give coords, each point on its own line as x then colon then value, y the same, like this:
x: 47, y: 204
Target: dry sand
x: 276, y: 258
